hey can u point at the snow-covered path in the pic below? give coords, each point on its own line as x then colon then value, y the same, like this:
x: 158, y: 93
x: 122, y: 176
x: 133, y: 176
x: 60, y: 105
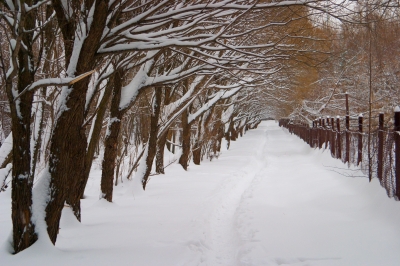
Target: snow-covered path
x: 269, y: 200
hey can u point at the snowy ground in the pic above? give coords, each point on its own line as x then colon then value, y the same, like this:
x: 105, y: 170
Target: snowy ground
x: 269, y: 200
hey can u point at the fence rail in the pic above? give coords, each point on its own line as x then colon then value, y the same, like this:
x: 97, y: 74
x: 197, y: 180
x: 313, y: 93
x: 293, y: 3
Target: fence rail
x: 376, y: 152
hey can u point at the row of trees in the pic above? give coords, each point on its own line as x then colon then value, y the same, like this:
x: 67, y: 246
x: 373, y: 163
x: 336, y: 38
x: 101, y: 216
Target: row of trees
x: 364, y: 64
x: 125, y: 79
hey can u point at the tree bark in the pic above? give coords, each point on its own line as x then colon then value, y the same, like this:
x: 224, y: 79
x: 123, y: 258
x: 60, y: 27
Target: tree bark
x: 96, y: 131
x: 162, y: 140
x: 197, y: 145
x: 39, y: 137
x: 184, y: 159
x: 241, y: 129
x: 68, y: 140
x: 67, y: 149
x: 227, y: 138
x: 219, y: 138
x: 152, y: 143
x: 111, y: 142
x: 232, y: 130
x: 22, y: 181
x: 173, y: 139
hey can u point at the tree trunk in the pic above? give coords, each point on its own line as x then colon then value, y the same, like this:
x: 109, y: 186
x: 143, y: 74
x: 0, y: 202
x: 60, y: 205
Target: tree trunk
x: 163, y: 138
x: 152, y: 142
x: 111, y: 141
x: 68, y: 140
x: 232, y: 130
x: 184, y: 159
x: 227, y: 138
x: 22, y: 181
x: 96, y: 131
x: 39, y: 136
x: 173, y: 141
x: 197, y: 145
x: 68, y: 147
x: 196, y: 153
x: 219, y: 138
x: 169, y: 137
x: 160, y: 153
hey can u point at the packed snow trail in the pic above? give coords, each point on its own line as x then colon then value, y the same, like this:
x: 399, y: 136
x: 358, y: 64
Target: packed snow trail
x: 269, y: 200
x: 222, y: 237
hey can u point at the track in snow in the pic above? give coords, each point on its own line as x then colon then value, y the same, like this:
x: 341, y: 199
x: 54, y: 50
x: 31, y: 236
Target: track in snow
x: 224, y: 226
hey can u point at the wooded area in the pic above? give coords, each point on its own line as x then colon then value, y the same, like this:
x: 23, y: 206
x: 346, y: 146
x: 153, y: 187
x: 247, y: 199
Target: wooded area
x: 125, y: 80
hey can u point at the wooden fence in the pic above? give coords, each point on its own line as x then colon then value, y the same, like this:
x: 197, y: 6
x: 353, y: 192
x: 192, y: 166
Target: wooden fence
x: 377, y: 152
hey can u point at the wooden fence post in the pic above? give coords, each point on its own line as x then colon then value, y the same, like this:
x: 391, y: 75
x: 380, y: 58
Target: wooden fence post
x: 347, y: 157
x: 315, y: 141
x: 360, y: 144
x: 323, y: 132
x: 380, y: 146
x: 316, y: 134
x: 320, y: 133
x: 397, y: 148
x: 312, y: 135
x: 338, y: 139
x: 327, y: 132
x: 333, y: 142
x: 173, y: 141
